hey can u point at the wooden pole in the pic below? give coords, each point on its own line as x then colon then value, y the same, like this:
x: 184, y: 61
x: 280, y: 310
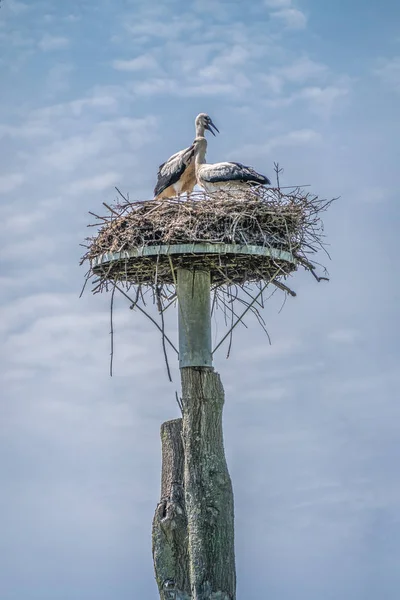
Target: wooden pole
x: 194, y: 318
x: 208, y: 488
x: 170, y: 541
x: 193, y: 534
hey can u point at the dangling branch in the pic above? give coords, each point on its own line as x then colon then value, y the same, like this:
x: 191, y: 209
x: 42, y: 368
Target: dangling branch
x: 240, y: 319
x: 160, y: 310
x: 111, y: 332
x: 148, y: 316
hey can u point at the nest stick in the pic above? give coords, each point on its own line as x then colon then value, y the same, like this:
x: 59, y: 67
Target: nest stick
x: 111, y: 332
x: 148, y: 316
x: 239, y: 320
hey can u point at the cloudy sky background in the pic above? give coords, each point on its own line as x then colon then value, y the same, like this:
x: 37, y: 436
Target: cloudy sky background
x: 97, y: 94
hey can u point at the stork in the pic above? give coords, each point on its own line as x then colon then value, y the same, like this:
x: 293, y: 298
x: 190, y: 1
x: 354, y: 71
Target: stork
x: 177, y: 174
x: 223, y: 175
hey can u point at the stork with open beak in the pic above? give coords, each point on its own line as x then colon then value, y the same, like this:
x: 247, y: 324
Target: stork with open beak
x: 223, y: 175
x: 177, y: 175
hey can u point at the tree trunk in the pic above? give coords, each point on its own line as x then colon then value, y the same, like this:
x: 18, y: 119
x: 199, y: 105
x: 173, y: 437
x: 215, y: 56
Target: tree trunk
x: 170, y: 540
x: 208, y: 488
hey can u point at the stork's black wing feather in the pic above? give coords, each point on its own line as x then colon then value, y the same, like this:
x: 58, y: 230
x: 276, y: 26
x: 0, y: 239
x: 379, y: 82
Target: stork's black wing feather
x: 233, y: 171
x: 172, y: 170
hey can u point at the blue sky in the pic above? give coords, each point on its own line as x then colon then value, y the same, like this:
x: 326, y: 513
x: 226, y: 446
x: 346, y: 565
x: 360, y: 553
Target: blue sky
x: 97, y: 94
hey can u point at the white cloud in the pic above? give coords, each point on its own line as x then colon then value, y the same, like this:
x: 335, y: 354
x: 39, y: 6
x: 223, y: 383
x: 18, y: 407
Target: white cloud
x: 344, y: 336
x: 58, y: 78
x: 274, y: 393
x: 10, y: 182
x: 225, y: 74
x: 292, y: 18
x: 146, y: 62
x: 302, y: 70
x: 25, y: 248
x: 277, y: 3
x: 172, y: 28
x: 297, y: 72
x: 51, y: 42
x: 389, y: 72
x: 229, y: 67
x: 54, y: 331
x: 97, y: 183
x: 192, y: 90
x: 16, y: 7
x: 157, y: 85
x: 234, y: 89
x: 102, y: 99
x: 105, y: 138
x: 295, y: 138
x: 14, y: 38
x: 298, y: 137
x: 374, y: 194
x: 71, y: 18
x: 23, y: 309
x: 266, y: 352
x: 324, y: 100
x: 274, y: 82
x: 24, y: 222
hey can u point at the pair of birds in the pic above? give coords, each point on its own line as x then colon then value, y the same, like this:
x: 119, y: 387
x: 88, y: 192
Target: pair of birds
x: 181, y: 172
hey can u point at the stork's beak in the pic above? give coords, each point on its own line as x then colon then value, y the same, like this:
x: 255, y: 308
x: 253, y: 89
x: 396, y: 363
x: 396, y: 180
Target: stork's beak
x: 210, y: 126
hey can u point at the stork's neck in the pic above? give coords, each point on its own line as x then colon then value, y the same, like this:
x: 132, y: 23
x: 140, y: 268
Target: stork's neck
x: 200, y: 129
x: 201, y: 154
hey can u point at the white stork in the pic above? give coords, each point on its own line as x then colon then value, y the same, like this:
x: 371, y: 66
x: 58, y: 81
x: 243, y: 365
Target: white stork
x: 223, y: 175
x: 177, y: 175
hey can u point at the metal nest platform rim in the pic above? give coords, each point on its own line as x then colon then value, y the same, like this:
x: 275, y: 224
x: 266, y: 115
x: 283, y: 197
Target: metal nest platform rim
x: 195, y: 249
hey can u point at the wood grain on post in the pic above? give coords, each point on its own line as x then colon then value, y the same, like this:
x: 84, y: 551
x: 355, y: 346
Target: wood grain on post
x: 170, y: 539
x: 193, y: 528
x: 208, y: 488
x: 194, y: 319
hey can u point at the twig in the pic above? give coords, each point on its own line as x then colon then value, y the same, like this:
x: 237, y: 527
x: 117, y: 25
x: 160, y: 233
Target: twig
x: 121, y: 194
x: 319, y: 278
x: 147, y: 315
x: 277, y: 172
x: 111, y: 332
x: 111, y: 209
x: 230, y: 337
x: 163, y: 332
x: 283, y: 303
x: 87, y: 277
x: 180, y: 403
x: 283, y: 287
x: 239, y: 320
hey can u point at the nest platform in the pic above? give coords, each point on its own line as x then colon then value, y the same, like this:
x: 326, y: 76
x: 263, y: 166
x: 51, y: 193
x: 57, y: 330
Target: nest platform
x: 256, y: 236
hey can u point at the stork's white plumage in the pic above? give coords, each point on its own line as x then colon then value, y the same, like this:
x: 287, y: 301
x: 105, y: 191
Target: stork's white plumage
x: 177, y: 175
x: 223, y: 175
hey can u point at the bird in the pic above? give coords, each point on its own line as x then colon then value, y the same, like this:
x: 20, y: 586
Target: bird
x: 223, y: 175
x: 177, y: 175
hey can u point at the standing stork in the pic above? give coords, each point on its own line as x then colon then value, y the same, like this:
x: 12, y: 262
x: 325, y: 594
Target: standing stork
x: 177, y: 175
x: 223, y: 175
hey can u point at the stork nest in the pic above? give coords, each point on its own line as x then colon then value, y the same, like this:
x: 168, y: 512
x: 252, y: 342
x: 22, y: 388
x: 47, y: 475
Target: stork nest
x: 265, y: 217
x: 285, y: 228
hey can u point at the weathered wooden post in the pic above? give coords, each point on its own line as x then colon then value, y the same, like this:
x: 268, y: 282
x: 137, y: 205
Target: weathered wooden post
x: 194, y: 318
x: 184, y: 252
x: 208, y: 488
x: 193, y: 456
